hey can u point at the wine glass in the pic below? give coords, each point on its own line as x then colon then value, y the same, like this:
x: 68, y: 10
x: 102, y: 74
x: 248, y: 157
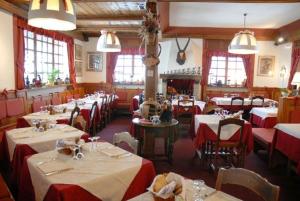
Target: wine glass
x: 199, y: 190
x: 93, y: 140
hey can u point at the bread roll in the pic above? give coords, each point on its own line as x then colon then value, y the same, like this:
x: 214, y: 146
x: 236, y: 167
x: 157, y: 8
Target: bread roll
x: 160, y: 182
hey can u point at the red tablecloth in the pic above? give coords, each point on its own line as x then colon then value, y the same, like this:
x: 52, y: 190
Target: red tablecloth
x: 268, y: 122
x: 134, y: 105
x: 205, y: 133
x: 289, y: 146
x: 68, y: 192
x: 20, y: 152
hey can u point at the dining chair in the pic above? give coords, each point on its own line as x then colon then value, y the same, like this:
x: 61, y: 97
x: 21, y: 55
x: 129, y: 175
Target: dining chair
x: 55, y: 99
x: 104, y: 110
x: 185, y: 112
x: 37, y: 103
x: 250, y: 180
x: 75, y: 112
x: 231, y: 151
x: 262, y: 99
x: 236, y: 107
x: 133, y: 143
x: 92, y: 121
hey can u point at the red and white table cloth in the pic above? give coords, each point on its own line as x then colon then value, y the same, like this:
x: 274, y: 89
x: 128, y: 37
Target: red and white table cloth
x: 98, y: 176
x: 264, y: 117
x: 206, y: 128
x: 287, y: 141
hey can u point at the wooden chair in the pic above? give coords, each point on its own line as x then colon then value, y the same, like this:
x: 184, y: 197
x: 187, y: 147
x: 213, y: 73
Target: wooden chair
x: 185, y: 112
x: 37, y: 103
x: 128, y: 139
x: 55, y: 99
x: 258, y: 98
x: 92, y: 122
x: 235, y: 108
x: 104, y: 112
x: 15, y: 107
x: 249, y: 180
x: 75, y: 112
x: 233, y: 152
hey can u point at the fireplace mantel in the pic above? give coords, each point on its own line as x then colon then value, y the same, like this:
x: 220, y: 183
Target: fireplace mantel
x: 166, y: 77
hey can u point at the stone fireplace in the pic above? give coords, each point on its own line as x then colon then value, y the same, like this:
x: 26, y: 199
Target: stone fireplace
x: 188, y: 84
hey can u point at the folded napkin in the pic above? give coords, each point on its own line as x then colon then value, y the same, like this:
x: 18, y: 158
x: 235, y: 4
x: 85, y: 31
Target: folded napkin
x: 53, y: 167
x: 114, y: 152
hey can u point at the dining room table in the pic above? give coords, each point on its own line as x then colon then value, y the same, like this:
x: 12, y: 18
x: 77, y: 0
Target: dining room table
x: 21, y: 142
x: 206, y: 129
x: 210, y: 194
x: 287, y: 141
x: 225, y: 102
x: 264, y: 117
x: 106, y: 172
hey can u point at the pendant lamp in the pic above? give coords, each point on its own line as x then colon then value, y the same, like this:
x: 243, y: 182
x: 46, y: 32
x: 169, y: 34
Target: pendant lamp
x: 243, y: 42
x: 108, y: 42
x: 52, y: 14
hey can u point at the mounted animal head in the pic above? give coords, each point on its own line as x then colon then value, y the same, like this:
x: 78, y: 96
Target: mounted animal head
x: 181, y: 57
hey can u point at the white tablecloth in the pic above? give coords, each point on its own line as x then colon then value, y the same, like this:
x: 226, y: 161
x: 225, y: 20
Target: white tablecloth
x: 264, y: 112
x: 247, y: 101
x: 40, y: 141
x: 105, y: 177
x: 291, y: 129
x: 212, y: 121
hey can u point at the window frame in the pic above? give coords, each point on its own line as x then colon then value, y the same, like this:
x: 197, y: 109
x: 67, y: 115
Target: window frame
x: 55, y: 43
x: 133, y: 68
x: 226, y: 72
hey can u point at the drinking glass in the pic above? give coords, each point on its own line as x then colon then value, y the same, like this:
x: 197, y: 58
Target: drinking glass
x: 94, y: 140
x: 199, y: 190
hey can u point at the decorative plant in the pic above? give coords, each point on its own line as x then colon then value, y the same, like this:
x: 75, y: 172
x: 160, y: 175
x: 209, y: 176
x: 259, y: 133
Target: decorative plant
x: 53, y: 75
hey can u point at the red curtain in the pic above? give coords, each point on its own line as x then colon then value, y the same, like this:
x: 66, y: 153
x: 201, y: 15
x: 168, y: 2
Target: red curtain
x: 249, y: 68
x: 295, y: 61
x: 21, y: 24
x: 19, y: 54
x: 111, y: 60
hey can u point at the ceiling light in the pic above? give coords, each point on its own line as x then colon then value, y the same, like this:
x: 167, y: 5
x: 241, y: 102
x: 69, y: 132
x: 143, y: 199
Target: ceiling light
x: 108, y: 42
x: 280, y: 39
x: 52, y: 14
x: 243, y: 42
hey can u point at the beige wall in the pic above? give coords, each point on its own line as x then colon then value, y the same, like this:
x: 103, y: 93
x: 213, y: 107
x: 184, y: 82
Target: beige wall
x: 87, y: 76
x: 7, y: 76
x: 282, y: 55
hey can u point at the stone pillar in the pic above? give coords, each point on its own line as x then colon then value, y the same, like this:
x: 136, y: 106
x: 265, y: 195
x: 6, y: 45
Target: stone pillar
x: 151, y: 46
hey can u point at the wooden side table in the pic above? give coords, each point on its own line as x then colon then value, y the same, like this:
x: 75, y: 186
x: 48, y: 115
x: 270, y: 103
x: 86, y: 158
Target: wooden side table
x: 146, y: 132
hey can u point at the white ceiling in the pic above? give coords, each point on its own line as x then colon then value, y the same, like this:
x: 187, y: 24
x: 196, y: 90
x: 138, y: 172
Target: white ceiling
x: 230, y: 15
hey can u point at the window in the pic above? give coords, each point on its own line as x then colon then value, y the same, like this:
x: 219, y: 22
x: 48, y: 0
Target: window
x: 129, y: 70
x: 228, y: 71
x: 43, y: 55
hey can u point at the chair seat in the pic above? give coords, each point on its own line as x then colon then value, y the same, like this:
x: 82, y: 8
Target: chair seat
x: 264, y: 134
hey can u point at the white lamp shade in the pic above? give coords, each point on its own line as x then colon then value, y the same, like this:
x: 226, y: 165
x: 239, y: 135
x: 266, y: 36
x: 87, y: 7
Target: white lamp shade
x: 243, y: 42
x: 296, y: 78
x: 52, y: 14
x: 108, y: 42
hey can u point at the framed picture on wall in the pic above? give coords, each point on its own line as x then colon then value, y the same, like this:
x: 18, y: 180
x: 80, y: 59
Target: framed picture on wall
x: 265, y: 66
x: 78, y: 68
x: 95, y: 61
x: 78, y: 52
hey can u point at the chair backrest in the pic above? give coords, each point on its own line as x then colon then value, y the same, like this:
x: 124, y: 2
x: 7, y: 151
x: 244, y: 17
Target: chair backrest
x: 74, y: 114
x: 186, y: 106
x: 37, y: 103
x: 237, y: 98
x: 55, y: 99
x: 250, y: 180
x: 127, y: 138
x: 104, y: 103
x: 15, y: 107
x: 3, y: 111
x: 231, y: 121
x: 92, y: 122
x: 258, y: 98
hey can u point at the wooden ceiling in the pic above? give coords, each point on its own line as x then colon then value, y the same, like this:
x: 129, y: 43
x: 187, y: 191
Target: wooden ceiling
x: 125, y: 17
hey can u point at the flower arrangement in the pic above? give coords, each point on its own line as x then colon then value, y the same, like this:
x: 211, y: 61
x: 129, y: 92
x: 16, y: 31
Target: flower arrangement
x: 150, y: 25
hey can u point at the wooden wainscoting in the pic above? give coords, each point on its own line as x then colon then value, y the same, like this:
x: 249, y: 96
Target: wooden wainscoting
x: 289, y: 110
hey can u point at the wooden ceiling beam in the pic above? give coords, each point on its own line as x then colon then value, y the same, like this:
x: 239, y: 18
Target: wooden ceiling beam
x: 110, y: 17
x: 92, y: 29
x: 95, y: 1
x: 13, y: 9
x: 216, y: 33
x: 233, y: 1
